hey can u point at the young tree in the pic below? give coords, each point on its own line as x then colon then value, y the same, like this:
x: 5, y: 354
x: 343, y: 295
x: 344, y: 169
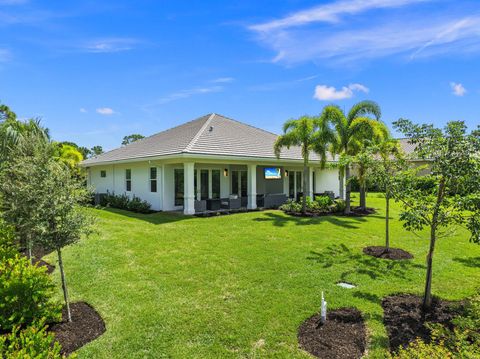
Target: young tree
x: 351, y: 130
x: 131, y: 138
x: 63, y: 221
x: 453, y: 156
x: 299, y: 132
x: 389, y: 161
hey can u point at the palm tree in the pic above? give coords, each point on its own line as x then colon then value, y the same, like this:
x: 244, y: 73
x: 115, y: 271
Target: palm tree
x: 300, y: 132
x: 375, y: 133
x: 351, y: 131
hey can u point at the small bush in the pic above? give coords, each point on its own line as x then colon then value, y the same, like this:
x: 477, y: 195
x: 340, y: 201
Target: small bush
x: 324, y: 203
x: 291, y: 206
x: 124, y: 202
x: 26, y: 293
x: 32, y: 342
x: 340, y: 205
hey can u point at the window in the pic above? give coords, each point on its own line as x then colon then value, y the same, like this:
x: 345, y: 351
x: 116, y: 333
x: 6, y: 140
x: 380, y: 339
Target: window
x: 128, y: 180
x: 153, y: 179
x: 178, y: 178
x: 235, y: 182
x: 204, y: 184
x: 243, y: 183
x: 215, y: 183
x: 103, y: 173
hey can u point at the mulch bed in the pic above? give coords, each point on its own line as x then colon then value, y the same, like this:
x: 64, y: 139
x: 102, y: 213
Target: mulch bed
x: 86, y: 326
x: 342, y: 336
x: 393, y: 254
x: 42, y: 263
x: 405, y: 321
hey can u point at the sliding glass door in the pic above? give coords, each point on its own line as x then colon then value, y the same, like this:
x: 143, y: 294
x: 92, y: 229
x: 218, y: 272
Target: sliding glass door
x: 239, y: 183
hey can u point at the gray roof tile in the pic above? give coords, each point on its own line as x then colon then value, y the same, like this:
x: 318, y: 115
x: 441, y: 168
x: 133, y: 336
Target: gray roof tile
x: 208, y: 135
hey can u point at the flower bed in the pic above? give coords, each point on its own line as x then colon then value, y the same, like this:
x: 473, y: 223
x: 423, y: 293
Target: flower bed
x: 321, y: 205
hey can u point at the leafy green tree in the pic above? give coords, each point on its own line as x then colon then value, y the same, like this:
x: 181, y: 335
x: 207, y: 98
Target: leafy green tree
x: 301, y: 132
x: 64, y: 220
x: 350, y: 132
x: 96, y: 150
x: 22, y: 197
x: 131, y: 138
x: 68, y: 154
x: 453, y: 158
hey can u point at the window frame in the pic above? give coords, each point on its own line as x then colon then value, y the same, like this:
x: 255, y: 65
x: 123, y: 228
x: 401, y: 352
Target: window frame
x: 103, y: 173
x: 153, y: 180
x: 128, y: 180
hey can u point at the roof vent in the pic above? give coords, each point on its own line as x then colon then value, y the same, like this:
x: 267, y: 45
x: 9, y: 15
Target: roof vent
x: 210, y: 129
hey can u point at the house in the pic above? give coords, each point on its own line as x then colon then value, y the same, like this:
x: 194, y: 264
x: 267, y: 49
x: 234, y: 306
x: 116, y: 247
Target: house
x: 206, y: 163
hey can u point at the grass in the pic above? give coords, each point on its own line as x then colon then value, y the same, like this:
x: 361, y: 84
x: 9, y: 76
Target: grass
x: 240, y: 285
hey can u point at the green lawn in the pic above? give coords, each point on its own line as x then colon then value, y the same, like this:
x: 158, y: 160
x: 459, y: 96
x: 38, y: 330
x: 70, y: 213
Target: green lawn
x: 240, y: 285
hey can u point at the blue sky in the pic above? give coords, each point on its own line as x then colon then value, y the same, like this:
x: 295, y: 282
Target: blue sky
x: 96, y: 71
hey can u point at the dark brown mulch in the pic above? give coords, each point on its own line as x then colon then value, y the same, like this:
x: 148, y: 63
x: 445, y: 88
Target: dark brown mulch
x: 86, y: 326
x: 42, y: 263
x: 405, y: 320
x: 357, y: 211
x: 342, y: 336
x: 393, y: 254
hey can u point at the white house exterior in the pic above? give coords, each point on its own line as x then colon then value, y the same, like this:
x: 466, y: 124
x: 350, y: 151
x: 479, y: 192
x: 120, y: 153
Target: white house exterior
x: 210, y: 158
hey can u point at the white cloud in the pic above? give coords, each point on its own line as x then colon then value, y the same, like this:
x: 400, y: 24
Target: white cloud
x: 319, y: 35
x: 330, y: 13
x: 109, y: 45
x: 105, y: 111
x: 223, y: 80
x: 188, y: 93
x: 82, y: 110
x: 458, y: 89
x: 330, y: 93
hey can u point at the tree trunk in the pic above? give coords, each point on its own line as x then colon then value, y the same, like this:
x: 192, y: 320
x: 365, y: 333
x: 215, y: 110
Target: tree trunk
x: 363, y: 197
x: 304, y: 197
x: 427, y: 298
x: 387, y: 221
x: 64, y: 284
x: 341, y: 179
x: 348, y: 189
x: 29, y: 250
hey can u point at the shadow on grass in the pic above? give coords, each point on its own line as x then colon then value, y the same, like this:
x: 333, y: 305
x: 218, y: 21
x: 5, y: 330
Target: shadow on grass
x: 279, y: 219
x: 473, y: 262
x: 374, y: 268
x: 153, y: 218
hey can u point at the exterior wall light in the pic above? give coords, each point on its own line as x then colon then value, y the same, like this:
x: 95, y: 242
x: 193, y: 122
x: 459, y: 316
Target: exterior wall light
x: 225, y: 172
x: 286, y: 173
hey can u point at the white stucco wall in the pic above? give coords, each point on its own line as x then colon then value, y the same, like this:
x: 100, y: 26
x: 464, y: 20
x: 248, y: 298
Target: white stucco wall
x: 327, y: 180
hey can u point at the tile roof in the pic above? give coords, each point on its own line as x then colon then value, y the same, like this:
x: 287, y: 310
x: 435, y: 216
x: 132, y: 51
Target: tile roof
x: 211, y: 134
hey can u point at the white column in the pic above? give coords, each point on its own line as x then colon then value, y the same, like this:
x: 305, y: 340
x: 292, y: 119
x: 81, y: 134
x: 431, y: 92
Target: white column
x: 252, y: 186
x: 310, y: 182
x: 210, y: 183
x: 188, y: 183
x: 199, y: 191
x: 285, y: 182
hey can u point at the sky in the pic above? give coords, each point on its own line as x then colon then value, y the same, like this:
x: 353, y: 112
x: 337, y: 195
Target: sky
x: 97, y: 71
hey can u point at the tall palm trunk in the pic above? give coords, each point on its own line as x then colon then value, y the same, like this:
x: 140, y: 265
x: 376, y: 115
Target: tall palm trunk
x: 362, y: 189
x: 348, y: 190
x: 341, y: 180
x: 304, y: 191
x: 387, y: 220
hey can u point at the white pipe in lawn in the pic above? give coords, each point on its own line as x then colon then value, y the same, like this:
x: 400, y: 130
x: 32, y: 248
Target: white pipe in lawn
x: 323, y: 311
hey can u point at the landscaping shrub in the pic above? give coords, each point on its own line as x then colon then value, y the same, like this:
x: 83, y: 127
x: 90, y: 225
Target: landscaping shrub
x: 291, y: 206
x: 463, y: 341
x: 124, y: 202
x: 321, y: 205
x: 26, y: 293
x: 32, y: 342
